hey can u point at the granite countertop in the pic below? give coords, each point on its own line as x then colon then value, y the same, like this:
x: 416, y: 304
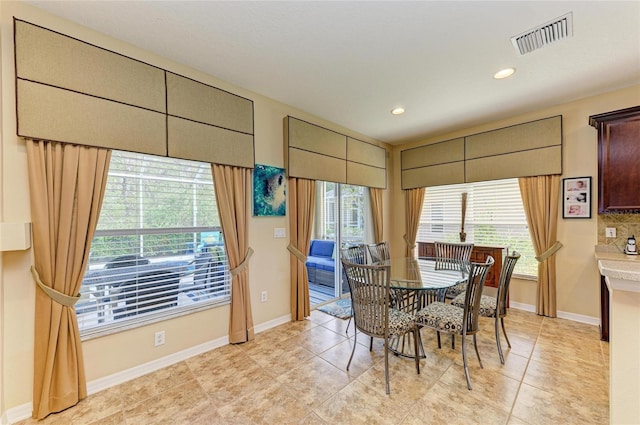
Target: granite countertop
x: 619, y: 266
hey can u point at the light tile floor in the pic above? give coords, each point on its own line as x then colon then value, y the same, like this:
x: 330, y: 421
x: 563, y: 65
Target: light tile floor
x: 555, y: 373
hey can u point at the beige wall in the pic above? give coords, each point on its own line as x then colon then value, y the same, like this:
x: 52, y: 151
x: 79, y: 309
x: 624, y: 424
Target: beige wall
x: 577, y: 272
x: 268, y: 269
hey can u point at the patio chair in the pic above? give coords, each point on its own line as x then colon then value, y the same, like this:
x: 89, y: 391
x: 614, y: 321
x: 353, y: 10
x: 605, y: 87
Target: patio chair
x: 369, y: 285
x: 496, y: 307
x: 148, y: 292
x: 463, y: 321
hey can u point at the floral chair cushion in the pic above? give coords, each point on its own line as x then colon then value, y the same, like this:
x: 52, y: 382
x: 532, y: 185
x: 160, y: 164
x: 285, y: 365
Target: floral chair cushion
x: 456, y: 290
x: 442, y: 317
x: 400, y: 322
x: 487, y: 304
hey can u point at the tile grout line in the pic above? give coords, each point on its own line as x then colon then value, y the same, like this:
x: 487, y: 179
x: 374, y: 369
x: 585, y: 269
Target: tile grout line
x: 515, y: 399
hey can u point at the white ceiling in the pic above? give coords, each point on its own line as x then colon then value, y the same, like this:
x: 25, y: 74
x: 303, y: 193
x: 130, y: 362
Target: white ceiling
x: 351, y: 62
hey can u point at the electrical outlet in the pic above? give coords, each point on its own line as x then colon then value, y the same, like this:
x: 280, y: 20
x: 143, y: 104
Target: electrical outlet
x: 610, y: 232
x: 279, y: 232
x: 263, y: 297
x: 159, y: 338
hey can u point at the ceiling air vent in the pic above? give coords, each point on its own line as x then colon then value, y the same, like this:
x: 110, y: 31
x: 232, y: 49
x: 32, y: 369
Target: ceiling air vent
x: 542, y: 35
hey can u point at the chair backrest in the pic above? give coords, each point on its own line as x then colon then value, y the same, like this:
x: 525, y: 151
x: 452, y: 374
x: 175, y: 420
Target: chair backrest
x: 452, y: 255
x: 369, y: 285
x: 378, y: 251
x: 475, y: 284
x: 150, y: 291
x: 322, y: 248
x: 203, y: 273
x: 354, y: 254
x: 129, y: 260
x: 505, y: 279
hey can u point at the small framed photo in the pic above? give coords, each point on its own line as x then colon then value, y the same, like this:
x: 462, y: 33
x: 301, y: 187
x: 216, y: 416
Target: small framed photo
x: 576, y: 197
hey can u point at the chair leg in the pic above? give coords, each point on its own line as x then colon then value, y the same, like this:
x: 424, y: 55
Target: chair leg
x: 416, y: 341
x: 348, y: 323
x: 498, y: 341
x: 505, y: 332
x: 439, y: 346
x: 453, y: 341
x: 371, y: 344
x: 475, y: 345
x: 355, y: 342
x: 464, y: 362
x: 386, y: 365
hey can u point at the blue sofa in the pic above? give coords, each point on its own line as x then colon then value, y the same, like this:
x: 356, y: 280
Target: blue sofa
x: 321, y: 263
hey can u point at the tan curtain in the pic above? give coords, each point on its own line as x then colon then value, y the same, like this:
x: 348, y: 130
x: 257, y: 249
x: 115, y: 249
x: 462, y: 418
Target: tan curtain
x: 413, y: 199
x: 375, y: 194
x: 540, y: 197
x: 302, y: 197
x: 66, y: 184
x: 232, y: 184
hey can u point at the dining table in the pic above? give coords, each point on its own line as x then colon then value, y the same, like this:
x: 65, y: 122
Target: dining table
x: 416, y: 282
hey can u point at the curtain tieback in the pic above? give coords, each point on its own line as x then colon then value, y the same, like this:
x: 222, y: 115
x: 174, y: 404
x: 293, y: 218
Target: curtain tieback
x: 411, y: 245
x: 549, y: 252
x: 244, y: 263
x: 59, y: 297
x: 295, y: 251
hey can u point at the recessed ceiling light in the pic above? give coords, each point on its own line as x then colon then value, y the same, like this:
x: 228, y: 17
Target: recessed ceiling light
x: 397, y: 111
x: 504, y: 73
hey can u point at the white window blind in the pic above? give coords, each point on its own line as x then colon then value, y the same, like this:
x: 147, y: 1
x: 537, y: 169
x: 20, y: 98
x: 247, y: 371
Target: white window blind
x: 158, y: 249
x: 494, y: 216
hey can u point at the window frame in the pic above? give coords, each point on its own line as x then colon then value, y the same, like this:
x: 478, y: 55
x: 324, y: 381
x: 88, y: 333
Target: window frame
x: 213, y: 291
x: 449, y: 218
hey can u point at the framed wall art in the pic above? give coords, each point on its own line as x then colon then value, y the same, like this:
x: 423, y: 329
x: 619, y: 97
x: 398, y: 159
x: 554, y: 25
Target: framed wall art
x: 576, y: 197
x: 269, y: 191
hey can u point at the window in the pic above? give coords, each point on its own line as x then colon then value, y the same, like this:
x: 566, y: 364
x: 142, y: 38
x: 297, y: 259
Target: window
x: 341, y: 219
x: 353, y: 210
x: 494, y: 216
x: 158, y: 249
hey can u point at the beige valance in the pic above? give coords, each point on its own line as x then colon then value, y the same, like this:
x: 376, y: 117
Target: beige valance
x: 317, y: 153
x: 529, y: 149
x: 71, y: 91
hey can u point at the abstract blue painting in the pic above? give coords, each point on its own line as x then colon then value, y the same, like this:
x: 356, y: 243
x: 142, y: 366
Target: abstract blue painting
x: 269, y: 191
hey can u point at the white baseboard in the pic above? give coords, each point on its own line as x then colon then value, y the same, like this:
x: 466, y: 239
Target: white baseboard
x: 579, y: 318
x: 272, y: 323
x: 18, y: 413
x: 22, y: 412
x: 561, y: 314
x: 521, y: 306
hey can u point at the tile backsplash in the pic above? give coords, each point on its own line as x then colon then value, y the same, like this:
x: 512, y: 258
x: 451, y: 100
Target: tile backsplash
x: 625, y: 225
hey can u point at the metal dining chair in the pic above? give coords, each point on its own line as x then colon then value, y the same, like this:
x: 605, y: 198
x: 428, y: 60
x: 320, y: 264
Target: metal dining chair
x: 496, y: 307
x: 354, y: 254
x: 378, y: 251
x: 372, y: 315
x: 463, y: 321
x: 453, y: 256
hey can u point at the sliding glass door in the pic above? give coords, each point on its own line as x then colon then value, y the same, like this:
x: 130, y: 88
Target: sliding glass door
x: 341, y: 220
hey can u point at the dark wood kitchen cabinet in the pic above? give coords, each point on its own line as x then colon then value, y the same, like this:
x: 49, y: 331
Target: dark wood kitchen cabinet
x: 604, y: 310
x: 618, y: 160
